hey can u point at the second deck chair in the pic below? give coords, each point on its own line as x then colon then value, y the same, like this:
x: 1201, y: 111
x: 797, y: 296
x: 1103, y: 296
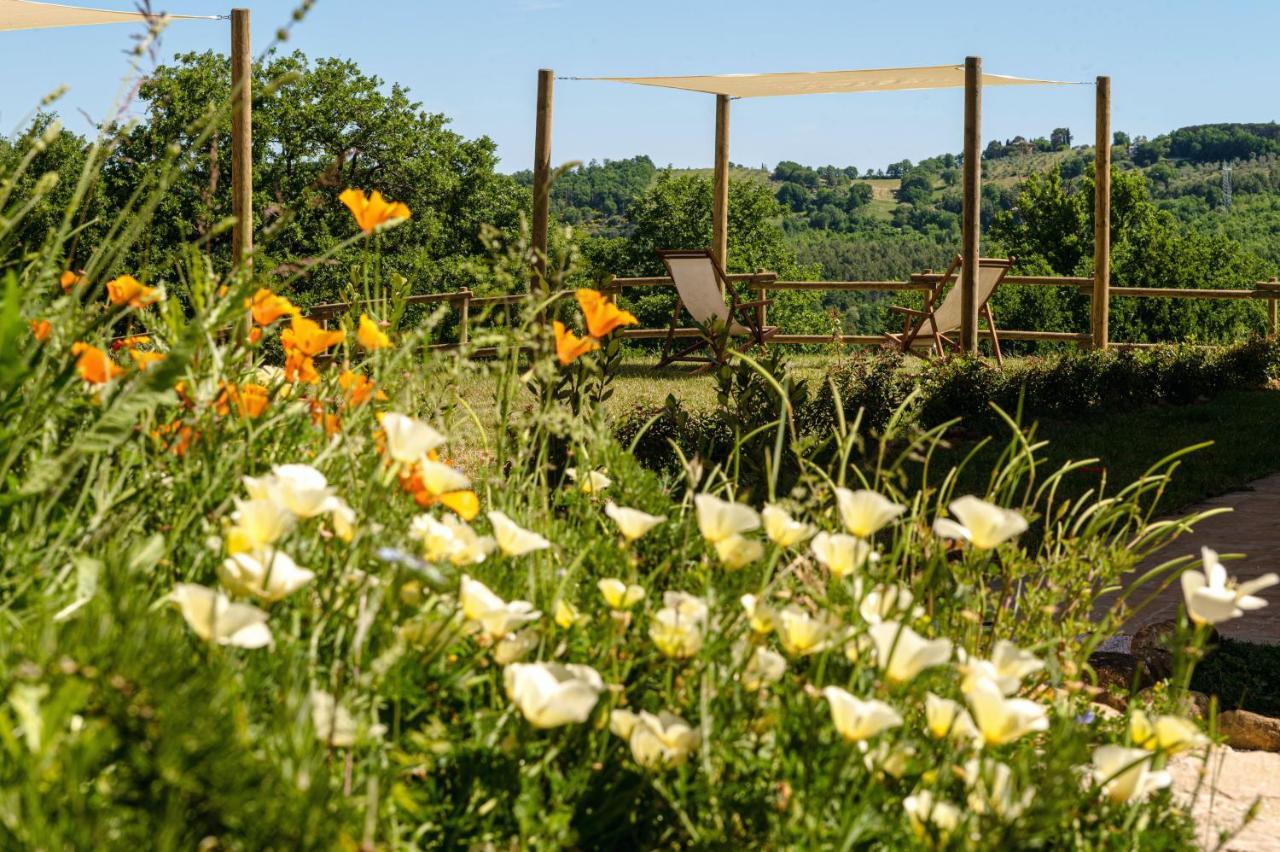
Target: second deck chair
x: 701, y: 289
x: 939, y: 319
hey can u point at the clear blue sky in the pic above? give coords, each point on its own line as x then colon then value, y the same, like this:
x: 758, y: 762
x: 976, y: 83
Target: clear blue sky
x: 1172, y: 63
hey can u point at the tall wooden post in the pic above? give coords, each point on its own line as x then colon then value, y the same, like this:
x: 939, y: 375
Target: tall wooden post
x: 241, y: 137
x: 971, y: 223
x: 542, y: 175
x: 720, y: 200
x: 1100, y: 315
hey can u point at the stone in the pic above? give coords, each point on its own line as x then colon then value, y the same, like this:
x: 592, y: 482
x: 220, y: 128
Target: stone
x: 1249, y: 731
x: 1153, y: 644
x: 1119, y: 675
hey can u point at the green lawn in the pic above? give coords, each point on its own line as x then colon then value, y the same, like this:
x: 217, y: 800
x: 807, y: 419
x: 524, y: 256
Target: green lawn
x: 1240, y: 423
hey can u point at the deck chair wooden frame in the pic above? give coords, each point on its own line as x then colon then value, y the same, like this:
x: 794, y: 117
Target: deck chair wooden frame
x: 991, y: 272
x: 718, y: 322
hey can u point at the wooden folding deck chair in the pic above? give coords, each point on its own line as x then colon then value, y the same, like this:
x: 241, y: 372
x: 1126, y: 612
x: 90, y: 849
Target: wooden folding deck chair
x: 701, y: 287
x: 939, y: 319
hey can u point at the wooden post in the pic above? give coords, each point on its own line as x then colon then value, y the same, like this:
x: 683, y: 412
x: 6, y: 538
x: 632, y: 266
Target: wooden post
x: 1271, y: 310
x: 720, y: 198
x: 464, y: 321
x: 542, y: 176
x: 971, y: 223
x: 1100, y: 315
x: 241, y: 137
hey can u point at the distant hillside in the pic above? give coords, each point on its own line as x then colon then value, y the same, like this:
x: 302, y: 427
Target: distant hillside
x: 886, y: 222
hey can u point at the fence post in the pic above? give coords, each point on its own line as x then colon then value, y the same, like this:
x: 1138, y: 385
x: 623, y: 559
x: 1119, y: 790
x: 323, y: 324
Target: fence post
x: 971, y: 221
x: 542, y: 177
x: 464, y: 321
x: 720, y: 199
x: 1100, y: 310
x: 241, y: 138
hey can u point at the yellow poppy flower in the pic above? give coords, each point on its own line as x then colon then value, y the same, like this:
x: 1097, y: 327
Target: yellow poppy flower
x: 570, y: 347
x: 127, y: 290
x: 370, y: 336
x: 602, y: 315
x: 373, y: 211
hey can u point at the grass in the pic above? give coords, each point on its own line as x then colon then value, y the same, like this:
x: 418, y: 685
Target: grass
x: 1243, y: 675
x: 1127, y: 444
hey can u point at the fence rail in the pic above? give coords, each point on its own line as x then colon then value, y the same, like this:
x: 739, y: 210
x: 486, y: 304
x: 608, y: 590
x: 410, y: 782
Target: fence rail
x: 765, y: 282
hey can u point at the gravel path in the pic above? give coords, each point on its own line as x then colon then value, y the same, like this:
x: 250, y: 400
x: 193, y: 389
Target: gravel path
x: 1233, y: 781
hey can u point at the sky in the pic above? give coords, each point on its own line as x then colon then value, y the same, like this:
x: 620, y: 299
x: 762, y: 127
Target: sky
x: 1172, y: 63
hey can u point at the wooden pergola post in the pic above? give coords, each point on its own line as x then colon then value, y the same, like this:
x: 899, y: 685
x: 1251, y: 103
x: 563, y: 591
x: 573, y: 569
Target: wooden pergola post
x: 1100, y: 314
x: 542, y: 176
x: 971, y: 223
x: 720, y: 199
x: 241, y: 138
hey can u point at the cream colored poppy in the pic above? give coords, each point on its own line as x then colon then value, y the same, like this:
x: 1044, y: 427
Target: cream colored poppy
x: 738, y: 551
x: 802, y: 634
x: 885, y: 603
x: 866, y: 512
x: 1002, y: 720
x: 662, y: 741
x: 496, y: 617
x: 451, y: 540
x: 784, y: 530
x: 300, y: 488
x: 946, y: 718
x: 1125, y: 775
x: 1171, y: 734
x: 859, y: 720
x: 926, y: 813
x: 762, y: 668
x: 992, y: 790
x: 982, y: 524
x: 514, y: 540
x: 762, y: 617
x: 409, y: 439
x: 901, y: 653
x: 721, y: 519
x: 269, y: 574
x: 632, y: 523
x: 214, y: 618
x: 593, y: 482
x: 1212, y: 599
x: 619, y: 595
x: 258, y: 524
x: 550, y: 695
x: 841, y: 554
x: 1007, y: 668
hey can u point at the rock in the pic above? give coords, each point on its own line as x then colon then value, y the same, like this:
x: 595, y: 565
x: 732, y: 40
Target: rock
x: 1119, y: 675
x: 1250, y: 731
x: 1192, y: 705
x: 1154, y: 645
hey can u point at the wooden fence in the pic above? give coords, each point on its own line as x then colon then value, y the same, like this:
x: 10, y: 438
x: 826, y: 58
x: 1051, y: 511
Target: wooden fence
x: 465, y: 302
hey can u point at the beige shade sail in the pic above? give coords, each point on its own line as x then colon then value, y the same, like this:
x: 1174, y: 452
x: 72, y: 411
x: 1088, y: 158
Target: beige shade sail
x: 828, y: 82
x: 28, y: 15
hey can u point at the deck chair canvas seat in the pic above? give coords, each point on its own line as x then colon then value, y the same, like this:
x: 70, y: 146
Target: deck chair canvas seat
x: 940, y: 319
x: 701, y: 288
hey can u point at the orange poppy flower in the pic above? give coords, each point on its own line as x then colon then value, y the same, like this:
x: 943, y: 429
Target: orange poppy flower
x: 127, y: 290
x: 370, y: 336
x: 570, y: 347
x: 300, y: 368
x: 374, y: 210
x: 145, y: 359
x: 602, y: 315
x: 307, y: 337
x: 359, y: 388
x: 465, y: 504
x: 69, y: 280
x: 184, y: 436
x: 94, y: 365
x: 250, y: 400
x: 130, y: 342
x: 267, y: 307
x: 41, y: 329
x: 255, y: 335
x: 331, y: 422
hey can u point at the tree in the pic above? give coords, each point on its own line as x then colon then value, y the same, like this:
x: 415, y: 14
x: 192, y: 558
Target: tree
x: 676, y: 213
x: 1060, y: 138
x: 329, y: 127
